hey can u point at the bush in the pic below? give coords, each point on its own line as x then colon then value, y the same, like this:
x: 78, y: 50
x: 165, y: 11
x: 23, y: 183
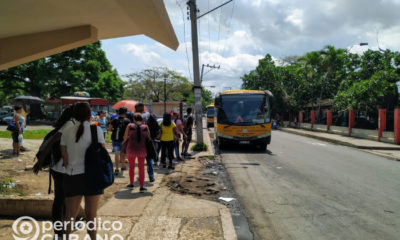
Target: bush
x: 200, y: 147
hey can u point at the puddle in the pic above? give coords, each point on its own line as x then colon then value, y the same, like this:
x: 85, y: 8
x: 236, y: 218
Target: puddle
x: 242, y: 227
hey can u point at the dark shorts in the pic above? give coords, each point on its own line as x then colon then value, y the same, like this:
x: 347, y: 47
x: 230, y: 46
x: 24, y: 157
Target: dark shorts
x: 15, y: 135
x: 75, y: 185
x: 117, y: 146
x: 188, y: 138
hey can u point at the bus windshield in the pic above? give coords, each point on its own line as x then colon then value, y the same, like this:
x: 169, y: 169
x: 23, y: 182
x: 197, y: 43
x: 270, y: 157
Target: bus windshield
x: 243, y: 109
x: 210, y: 112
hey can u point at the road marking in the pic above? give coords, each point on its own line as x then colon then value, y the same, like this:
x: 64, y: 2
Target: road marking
x: 317, y: 144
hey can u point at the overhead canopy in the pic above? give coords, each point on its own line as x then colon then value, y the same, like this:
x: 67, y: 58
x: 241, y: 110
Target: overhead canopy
x: 32, y: 29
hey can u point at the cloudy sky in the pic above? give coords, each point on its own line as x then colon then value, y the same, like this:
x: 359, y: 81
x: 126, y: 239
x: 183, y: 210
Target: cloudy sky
x: 243, y: 31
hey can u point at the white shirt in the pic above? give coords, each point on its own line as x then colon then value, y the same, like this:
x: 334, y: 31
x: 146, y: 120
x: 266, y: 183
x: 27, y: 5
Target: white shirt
x: 58, y: 167
x: 77, y: 150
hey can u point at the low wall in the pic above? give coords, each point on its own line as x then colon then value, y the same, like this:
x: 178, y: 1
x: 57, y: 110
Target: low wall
x: 364, y: 133
x: 387, y: 137
x: 32, y: 206
x: 319, y: 127
x: 306, y: 125
x: 339, y: 130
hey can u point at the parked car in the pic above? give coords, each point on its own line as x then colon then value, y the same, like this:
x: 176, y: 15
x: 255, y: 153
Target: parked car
x: 7, y: 119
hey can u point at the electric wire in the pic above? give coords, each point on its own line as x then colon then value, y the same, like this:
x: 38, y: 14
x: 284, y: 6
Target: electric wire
x: 184, y: 39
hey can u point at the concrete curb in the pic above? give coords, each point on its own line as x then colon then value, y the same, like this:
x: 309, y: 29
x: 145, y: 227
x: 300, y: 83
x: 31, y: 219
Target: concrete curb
x: 335, y: 141
x: 227, y: 224
x: 362, y: 148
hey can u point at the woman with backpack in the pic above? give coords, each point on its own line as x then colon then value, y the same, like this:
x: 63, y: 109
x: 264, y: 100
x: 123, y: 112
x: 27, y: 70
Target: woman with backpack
x: 168, y: 135
x: 75, y: 140
x: 136, y: 135
x: 55, y: 163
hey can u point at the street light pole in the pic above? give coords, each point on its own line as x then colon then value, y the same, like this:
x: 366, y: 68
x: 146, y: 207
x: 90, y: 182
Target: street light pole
x: 196, y: 72
x: 165, y: 94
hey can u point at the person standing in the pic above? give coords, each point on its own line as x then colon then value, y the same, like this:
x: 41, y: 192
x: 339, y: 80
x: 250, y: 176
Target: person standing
x: 154, y: 128
x: 17, y: 136
x: 118, y: 127
x: 179, y: 131
x: 188, y: 124
x: 102, y: 122
x: 168, y: 131
x: 57, y: 171
x: 136, y: 135
x: 139, y: 108
x: 75, y: 140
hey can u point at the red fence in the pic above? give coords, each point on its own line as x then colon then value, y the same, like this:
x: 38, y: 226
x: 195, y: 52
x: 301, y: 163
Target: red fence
x: 383, y: 120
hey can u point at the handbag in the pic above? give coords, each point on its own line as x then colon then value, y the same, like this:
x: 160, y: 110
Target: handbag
x: 151, y: 150
x: 12, y: 127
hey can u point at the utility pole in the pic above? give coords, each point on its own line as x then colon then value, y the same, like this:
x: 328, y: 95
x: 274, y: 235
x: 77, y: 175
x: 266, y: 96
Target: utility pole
x: 196, y: 65
x: 198, y: 109
x: 209, y: 66
x: 165, y: 94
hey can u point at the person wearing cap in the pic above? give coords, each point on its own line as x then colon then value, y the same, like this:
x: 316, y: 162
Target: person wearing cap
x: 118, y: 127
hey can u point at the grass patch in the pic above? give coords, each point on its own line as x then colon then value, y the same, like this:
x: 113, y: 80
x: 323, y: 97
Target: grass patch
x: 200, y: 147
x: 28, y: 134
x: 7, y: 187
x: 209, y: 157
x: 40, y: 134
x: 108, y: 137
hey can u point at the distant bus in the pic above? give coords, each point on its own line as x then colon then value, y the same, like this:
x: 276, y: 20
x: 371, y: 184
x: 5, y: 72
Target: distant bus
x: 243, y: 117
x: 210, y: 115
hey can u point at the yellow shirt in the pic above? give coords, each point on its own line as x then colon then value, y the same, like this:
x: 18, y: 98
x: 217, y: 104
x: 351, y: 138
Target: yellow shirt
x: 167, y: 133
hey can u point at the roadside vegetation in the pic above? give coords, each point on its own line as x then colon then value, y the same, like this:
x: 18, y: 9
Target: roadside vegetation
x: 362, y: 82
x: 39, y: 134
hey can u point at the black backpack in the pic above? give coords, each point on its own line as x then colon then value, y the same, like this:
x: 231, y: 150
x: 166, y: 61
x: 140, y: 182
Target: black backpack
x: 98, y: 166
x: 153, y: 126
x: 119, y: 130
x: 49, y: 152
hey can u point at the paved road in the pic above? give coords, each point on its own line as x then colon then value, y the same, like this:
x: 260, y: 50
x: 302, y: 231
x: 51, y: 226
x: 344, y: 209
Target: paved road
x: 307, y: 189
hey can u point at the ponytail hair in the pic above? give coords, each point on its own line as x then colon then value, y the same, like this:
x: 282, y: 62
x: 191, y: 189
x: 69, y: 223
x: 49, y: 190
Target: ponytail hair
x: 82, y: 112
x: 138, y: 118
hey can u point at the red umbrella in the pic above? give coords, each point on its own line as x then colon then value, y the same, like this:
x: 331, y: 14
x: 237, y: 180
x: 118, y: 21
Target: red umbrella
x: 129, y: 104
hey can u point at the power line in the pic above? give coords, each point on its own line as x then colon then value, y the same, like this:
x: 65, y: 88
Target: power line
x: 219, y: 29
x: 230, y: 28
x: 209, y: 44
x: 184, y: 39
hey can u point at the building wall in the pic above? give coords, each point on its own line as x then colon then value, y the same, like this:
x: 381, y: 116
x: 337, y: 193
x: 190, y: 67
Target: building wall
x: 158, y: 108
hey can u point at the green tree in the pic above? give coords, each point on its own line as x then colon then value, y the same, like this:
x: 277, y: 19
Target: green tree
x: 84, y: 69
x: 148, y: 86
x: 362, y: 82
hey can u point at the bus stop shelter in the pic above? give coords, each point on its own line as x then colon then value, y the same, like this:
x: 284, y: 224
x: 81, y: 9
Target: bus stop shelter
x: 32, y: 29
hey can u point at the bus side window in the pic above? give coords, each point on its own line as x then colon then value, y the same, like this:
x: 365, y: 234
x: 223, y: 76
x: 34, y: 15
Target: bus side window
x: 267, y: 110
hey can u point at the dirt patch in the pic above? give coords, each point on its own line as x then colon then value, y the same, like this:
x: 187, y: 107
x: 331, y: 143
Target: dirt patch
x: 197, y: 177
x: 18, y: 170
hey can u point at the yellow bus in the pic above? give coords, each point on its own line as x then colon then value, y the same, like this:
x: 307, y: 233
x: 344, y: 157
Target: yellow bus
x: 243, y: 117
x: 210, y: 115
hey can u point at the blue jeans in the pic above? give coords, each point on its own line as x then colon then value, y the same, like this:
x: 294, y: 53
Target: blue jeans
x: 150, y: 170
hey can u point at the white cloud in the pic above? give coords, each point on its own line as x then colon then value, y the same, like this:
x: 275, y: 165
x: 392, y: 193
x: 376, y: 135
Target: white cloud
x: 296, y: 18
x: 257, y: 27
x: 144, y: 53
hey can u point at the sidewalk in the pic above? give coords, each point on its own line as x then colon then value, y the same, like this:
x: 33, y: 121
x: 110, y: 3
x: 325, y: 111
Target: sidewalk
x: 386, y: 150
x: 162, y: 214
